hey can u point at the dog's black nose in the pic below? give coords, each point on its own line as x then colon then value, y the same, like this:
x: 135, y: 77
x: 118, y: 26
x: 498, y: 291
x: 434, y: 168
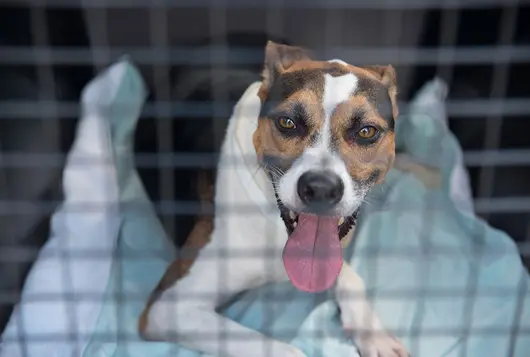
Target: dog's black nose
x: 323, y: 189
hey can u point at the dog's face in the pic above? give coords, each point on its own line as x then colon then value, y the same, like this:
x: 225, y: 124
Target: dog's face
x: 325, y: 133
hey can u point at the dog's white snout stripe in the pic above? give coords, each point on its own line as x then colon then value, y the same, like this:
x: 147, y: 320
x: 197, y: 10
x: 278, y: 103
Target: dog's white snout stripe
x: 336, y: 90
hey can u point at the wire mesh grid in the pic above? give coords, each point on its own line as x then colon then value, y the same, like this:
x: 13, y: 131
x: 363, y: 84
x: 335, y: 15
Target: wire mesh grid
x: 505, y: 58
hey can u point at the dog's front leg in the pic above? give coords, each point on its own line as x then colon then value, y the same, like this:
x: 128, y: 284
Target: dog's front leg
x: 202, y: 329
x: 358, y: 318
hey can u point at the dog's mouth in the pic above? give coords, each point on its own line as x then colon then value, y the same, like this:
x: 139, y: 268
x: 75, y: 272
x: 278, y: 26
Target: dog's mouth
x: 291, y: 218
x: 312, y: 256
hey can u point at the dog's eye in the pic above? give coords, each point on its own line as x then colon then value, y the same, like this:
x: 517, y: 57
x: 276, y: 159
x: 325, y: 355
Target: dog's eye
x: 367, y: 132
x: 286, y: 123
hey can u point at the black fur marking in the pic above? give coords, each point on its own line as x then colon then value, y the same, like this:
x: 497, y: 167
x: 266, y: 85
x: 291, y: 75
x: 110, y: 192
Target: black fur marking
x: 293, y: 82
x: 284, y: 212
x: 356, y: 120
x: 349, y: 223
x: 289, y: 83
x: 285, y: 86
x: 335, y: 71
x: 282, y: 163
x: 373, y: 177
x: 377, y: 94
x: 268, y: 107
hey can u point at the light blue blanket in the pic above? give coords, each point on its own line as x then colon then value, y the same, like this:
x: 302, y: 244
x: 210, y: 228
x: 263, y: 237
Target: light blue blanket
x: 443, y: 279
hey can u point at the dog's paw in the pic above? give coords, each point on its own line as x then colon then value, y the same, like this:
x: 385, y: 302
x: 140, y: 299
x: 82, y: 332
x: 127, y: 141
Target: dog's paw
x: 380, y: 345
x: 363, y: 326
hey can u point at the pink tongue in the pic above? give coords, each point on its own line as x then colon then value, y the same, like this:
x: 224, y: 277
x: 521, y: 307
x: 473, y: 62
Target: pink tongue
x: 313, y: 256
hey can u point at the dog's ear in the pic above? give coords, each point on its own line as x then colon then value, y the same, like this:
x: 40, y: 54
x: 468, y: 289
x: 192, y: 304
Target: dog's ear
x: 278, y: 58
x: 387, y: 76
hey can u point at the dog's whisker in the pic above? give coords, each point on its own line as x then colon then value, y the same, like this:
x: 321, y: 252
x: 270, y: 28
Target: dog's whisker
x: 256, y: 172
x: 275, y: 172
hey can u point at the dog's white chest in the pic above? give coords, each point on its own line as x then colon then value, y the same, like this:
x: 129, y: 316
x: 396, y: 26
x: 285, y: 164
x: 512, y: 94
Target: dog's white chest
x: 250, y: 232
x: 248, y: 226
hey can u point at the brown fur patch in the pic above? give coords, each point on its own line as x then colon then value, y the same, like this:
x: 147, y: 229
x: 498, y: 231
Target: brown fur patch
x: 198, y: 239
x: 344, y: 242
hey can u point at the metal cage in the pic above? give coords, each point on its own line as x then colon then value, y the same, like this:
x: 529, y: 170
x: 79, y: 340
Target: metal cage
x: 50, y: 49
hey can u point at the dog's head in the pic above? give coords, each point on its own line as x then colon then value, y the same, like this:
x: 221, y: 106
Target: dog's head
x: 325, y: 135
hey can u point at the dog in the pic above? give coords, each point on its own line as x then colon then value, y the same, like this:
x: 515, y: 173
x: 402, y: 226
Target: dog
x: 324, y: 137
